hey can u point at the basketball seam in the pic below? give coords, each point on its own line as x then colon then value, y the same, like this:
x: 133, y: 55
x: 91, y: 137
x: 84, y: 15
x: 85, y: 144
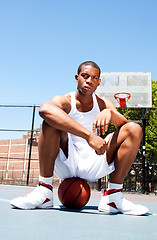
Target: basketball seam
x: 68, y: 188
x: 79, y: 193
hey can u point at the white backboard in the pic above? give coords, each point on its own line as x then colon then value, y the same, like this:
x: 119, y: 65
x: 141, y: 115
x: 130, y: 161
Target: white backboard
x: 138, y: 84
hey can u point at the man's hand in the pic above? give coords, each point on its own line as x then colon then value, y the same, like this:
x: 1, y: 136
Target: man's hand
x: 102, y: 121
x: 97, y: 143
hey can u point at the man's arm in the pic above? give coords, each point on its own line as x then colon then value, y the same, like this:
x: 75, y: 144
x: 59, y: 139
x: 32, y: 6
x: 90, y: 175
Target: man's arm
x: 55, y: 113
x: 107, y: 115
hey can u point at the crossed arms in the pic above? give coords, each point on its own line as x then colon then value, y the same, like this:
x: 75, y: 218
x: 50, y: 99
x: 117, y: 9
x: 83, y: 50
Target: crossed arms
x: 55, y: 113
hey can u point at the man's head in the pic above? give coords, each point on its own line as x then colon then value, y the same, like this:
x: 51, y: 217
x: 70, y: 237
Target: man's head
x: 91, y: 63
x: 88, y: 77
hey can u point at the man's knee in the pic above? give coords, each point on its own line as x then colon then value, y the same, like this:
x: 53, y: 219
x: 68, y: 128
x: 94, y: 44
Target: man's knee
x: 134, y: 130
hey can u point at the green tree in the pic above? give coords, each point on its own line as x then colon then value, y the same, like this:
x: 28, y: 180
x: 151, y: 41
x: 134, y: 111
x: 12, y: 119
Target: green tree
x: 151, y: 127
x: 154, y: 93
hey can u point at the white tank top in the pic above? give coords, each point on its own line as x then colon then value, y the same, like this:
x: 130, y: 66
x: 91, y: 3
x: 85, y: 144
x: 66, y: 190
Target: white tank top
x: 86, y: 119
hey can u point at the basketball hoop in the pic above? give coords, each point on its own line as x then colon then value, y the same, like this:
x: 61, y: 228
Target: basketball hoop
x: 122, y: 98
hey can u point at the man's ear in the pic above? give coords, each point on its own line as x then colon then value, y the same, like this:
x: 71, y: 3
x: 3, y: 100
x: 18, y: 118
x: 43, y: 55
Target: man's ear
x: 76, y: 77
x: 99, y: 81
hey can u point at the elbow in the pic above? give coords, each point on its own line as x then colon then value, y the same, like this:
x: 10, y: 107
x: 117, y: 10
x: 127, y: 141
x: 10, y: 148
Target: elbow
x: 44, y: 110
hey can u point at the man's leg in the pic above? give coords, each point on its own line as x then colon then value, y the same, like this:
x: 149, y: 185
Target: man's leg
x: 122, y: 149
x: 49, y: 143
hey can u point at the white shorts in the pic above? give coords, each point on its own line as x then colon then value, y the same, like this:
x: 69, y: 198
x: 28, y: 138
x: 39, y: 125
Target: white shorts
x: 91, y: 167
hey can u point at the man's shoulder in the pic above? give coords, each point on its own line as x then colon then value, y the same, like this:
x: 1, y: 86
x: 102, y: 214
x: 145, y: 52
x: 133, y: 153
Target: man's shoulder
x: 104, y: 102
x: 101, y: 102
x: 67, y: 102
x: 62, y: 101
x: 67, y: 96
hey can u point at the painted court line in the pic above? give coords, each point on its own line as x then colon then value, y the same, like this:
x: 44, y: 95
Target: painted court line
x: 4, y: 200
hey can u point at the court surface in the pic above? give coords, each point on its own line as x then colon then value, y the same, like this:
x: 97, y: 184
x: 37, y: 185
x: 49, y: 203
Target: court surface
x: 62, y: 224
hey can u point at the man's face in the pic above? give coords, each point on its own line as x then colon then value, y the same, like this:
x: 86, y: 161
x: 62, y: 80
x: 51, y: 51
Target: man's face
x: 88, y: 79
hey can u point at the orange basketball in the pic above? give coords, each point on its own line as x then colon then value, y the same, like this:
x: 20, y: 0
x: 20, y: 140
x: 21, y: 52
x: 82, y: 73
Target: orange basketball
x: 74, y: 193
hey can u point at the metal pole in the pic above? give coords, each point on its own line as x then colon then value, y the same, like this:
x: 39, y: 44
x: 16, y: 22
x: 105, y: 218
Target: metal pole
x: 31, y: 141
x: 143, y: 151
x: 99, y: 184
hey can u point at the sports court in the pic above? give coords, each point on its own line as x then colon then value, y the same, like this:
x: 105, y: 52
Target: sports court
x: 60, y: 223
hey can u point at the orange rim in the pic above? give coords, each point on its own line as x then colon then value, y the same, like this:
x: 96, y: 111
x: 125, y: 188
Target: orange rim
x: 122, y: 100
x: 127, y: 97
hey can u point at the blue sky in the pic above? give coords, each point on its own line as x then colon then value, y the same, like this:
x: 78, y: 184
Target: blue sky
x: 43, y: 41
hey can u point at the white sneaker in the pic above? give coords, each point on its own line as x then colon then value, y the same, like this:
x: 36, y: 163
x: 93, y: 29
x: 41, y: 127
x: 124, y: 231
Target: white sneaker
x: 41, y: 197
x: 113, y: 202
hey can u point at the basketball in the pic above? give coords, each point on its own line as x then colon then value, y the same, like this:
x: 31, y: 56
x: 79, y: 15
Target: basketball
x: 74, y: 193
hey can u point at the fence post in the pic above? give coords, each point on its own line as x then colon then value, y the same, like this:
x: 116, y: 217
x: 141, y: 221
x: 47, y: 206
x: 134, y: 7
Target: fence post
x: 31, y: 141
x: 143, y: 151
x: 99, y: 184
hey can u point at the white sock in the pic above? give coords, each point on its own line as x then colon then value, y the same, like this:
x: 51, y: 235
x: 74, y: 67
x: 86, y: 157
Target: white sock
x: 46, y: 180
x: 114, y: 186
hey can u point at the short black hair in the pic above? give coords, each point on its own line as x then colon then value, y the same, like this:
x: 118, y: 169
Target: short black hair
x: 91, y: 63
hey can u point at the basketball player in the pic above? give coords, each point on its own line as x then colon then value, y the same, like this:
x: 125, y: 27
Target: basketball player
x: 70, y: 145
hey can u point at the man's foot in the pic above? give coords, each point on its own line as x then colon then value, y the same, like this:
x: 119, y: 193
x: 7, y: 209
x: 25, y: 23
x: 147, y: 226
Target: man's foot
x: 41, y: 197
x: 113, y: 202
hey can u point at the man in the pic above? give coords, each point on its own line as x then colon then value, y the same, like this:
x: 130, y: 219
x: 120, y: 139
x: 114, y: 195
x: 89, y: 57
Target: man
x: 70, y: 145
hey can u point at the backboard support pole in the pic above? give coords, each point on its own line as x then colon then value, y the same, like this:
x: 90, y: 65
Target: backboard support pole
x: 143, y: 151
